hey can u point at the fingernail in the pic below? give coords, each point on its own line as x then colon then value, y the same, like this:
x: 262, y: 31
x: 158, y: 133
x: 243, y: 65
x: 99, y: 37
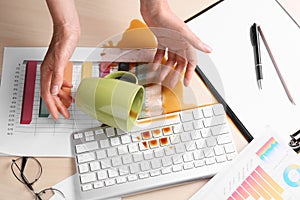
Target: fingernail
x: 54, y: 90
x: 207, y: 48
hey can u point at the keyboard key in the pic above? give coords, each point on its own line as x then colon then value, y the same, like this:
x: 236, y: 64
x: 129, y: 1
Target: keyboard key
x: 105, y: 163
x: 198, y: 155
x: 134, y: 168
x: 132, y: 177
x: 219, y: 150
x: 209, y: 152
x: 231, y: 156
x: 110, y: 132
x: 111, y: 152
x: 98, y: 184
x: 186, y: 115
x: 220, y: 129
x: 101, y: 154
x: 190, y: 146
x: 177, y: 128
x: 144, y: 175
x: 210, y: 161
x: 121, y: 179
x: 89, y: 146
x: 83, y: 168
x: 188, y: 157
x: 146, y: 135
x: 223, y: 139
x: 207, y: 111
x: 123, y: 170
x: 133, y: 148
x: 179, y: 148
x: 177, y: 168
x: 211, y: 141
x: 87, y: 178
x: 109, y: 182
x: 164, y: 141
x: 112, y: 173
x: 102, y: 175
x: 136, y: 137
x: 166, y: 170
x: 205, y: 132
x: 200, y: 144
x: 86, y: 157
x: 143, y: 145
x: 169, y: 150
x: 155, y: 164
x: 174, y: 139
x: 229, y: 148
x: 127, y: 159
x: 148, y: 154
x: 156, y: 133
x: 154, y: 143
x: 86, y: 187
x: 167, y: 130
x: 198, y: 114
x: 99, y: 131
x: 77, y: 136
x: 188, y: 126
x: 95, y: 166
x: 166, y: 161
x: 218, y: 109
x: 159, y: 153
x: 120, y: 132
x: 122, y: 149
x: 115, y: 141
x: 199, y: 163
x: 189, y: 165
x: 197, y: 124
x: 104, y: 143
x: 196, y: 135
x: 221, y: 158
x: 145, y: 165
x: 125, y: 139
x: 138, y: 157
x: 155, y: 173
x: 185, y: 136
x: 116, y: 161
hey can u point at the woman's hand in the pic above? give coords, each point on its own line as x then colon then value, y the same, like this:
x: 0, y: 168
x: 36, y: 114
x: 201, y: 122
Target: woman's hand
x: 174, y: 38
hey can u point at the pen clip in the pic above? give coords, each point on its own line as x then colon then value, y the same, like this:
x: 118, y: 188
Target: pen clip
x: 254, y: 34
x: 295, y: 141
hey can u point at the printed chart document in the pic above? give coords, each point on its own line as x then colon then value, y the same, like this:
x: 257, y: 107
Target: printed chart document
x: 26, y: 125
x: 266, y: 169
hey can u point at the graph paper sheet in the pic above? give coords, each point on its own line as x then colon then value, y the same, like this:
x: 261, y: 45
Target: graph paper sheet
x: 266, y: 169
x: 26, y: 126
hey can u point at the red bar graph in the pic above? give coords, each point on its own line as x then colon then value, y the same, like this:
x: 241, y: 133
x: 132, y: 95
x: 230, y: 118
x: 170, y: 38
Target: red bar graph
x: 28, y: 92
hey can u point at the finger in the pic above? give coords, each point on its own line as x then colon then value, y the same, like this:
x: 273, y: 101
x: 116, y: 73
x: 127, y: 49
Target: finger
x: 50, y: 103
x: 46, y: 75
x: 57, y: 79
x: 67, y: 84
x: 189, y: 72
x: 160, y: 53
x: 65, y: 97
x: 180, y: 65
x: 194, y: 40
x: 61, y: 107
x: 169, y: 65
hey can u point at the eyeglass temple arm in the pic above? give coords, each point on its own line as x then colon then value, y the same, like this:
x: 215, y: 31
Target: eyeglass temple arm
x: 23, y: 164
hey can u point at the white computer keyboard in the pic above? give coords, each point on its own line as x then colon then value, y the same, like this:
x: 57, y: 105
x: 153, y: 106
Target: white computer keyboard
x: 159, y: 151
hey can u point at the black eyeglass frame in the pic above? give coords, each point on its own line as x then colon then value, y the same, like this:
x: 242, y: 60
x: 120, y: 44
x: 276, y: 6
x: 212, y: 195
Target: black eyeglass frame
x: 24, y: 179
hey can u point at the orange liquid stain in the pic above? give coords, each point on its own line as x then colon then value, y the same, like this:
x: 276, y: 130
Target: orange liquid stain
x: 164, y: 141
x: 156, y: 132
x: 167, y: 130
x: 153, y: 143
x: 145, y: 144
x: 138, y: 138
x: 146, y: 134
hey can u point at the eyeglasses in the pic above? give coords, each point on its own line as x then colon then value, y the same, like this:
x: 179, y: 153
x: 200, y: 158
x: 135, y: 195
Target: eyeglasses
x: 28, y: 170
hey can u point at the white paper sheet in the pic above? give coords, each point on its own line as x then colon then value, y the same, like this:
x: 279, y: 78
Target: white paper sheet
x: 226, y: 27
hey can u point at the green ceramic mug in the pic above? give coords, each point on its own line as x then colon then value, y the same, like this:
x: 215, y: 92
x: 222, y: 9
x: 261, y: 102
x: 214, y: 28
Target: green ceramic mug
x: 115, y: 100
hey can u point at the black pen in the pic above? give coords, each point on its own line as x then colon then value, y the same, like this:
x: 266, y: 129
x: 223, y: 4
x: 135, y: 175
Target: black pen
x: 254, y: 36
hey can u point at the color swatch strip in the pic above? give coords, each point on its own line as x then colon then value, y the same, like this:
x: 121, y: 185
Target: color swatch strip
x: 258, y: 185
x: 28, y: 92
